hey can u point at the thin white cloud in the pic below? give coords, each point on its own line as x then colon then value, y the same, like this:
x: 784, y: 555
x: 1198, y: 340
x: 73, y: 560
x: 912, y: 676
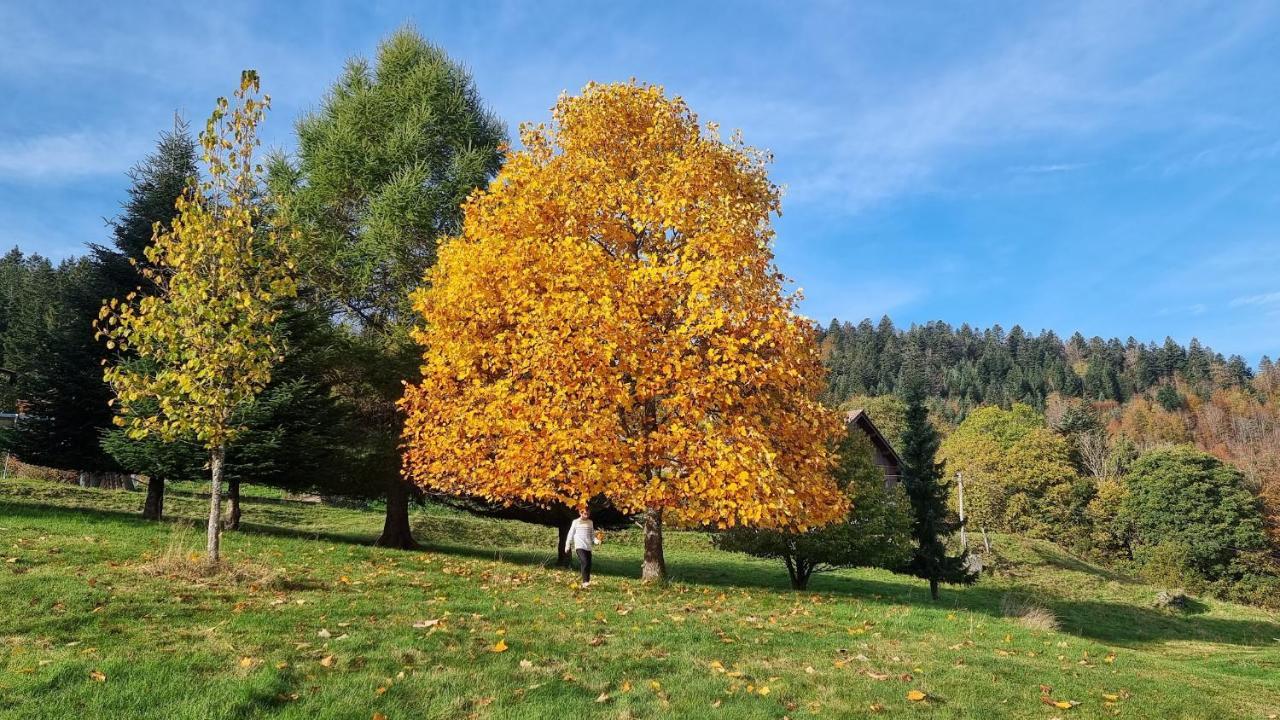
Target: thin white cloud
x: 1271, y: 298
x: 68, y: 156
x: 1050, y: 168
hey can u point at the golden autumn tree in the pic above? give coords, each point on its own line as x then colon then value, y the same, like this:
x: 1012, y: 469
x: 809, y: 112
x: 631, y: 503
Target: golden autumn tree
x: 610, y: 323
x: 203, y: 345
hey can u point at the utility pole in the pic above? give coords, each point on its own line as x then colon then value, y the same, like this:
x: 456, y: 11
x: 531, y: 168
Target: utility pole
x: 964, y: 536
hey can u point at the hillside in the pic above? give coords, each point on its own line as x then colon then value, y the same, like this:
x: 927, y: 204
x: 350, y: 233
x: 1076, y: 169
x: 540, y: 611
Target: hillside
x: 101, y: 616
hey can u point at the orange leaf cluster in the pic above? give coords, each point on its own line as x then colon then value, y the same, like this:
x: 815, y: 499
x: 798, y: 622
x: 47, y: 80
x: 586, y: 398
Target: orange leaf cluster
x: 611, y: 322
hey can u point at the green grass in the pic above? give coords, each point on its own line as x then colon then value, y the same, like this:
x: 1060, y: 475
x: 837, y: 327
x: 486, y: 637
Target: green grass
x: 79, y: 594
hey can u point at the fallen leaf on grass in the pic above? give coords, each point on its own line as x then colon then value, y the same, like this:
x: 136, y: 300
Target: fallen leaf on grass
x: 603, y: 697
x: 499, y: 647
x: 323, y: 633
x: 379, y: 716
x: 426, y: 623
x: 526, y: 664
x: 327, y: 661
x: 877, y: 707
x: 1060, y: 704
x: 98, y: 675
x: 916, y: 696
x: 247, y: 661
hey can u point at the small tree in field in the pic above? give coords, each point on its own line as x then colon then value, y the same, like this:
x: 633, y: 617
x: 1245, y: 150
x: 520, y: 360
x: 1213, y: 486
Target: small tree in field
x: 875, y: 533
x: 610, y: 323
x: 203, y: 345
x: 928, y: 490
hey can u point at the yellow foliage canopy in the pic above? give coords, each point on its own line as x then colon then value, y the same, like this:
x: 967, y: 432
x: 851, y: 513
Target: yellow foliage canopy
x: 204, y: 341
x: 610, y: 322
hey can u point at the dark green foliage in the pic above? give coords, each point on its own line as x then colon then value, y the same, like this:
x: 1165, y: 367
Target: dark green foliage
x: 381, y: 170
x: 1195, y: 522
x: 1169, y: 398
x: 932, y: 520
x: 876, y: 533
x: 966, y: 367
x: 48, y: 342
x: 48, y: 336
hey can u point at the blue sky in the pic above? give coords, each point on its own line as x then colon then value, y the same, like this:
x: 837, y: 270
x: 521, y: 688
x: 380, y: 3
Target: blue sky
x: 1107, y: 167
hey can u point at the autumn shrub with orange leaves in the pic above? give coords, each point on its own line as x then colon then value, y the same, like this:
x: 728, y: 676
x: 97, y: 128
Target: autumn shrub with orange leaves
x: 611, y: 323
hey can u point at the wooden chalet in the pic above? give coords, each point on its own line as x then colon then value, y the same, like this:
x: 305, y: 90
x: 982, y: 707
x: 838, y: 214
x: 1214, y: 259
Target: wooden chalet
x: 885, y: 456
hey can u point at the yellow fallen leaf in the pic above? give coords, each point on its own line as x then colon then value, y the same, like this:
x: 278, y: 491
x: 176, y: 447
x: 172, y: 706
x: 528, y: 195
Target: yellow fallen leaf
x: 379, y: 716
x: 655, y: 685
x: 526, y: 664
x: 500, y: 646
x: 877, y: 707
x: 98, y: 675
x: 626, y: 686
x: 916, y: 696
x: 327, y: 661
x: 246, y: 662
x: 764, y: 690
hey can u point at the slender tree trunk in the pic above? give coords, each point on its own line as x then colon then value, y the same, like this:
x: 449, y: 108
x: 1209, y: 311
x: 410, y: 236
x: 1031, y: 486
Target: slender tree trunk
x: 933, y: 588
x: 216, y: 456
x: 562, y: 555
x: 395, y: 527
x: 153, y: 509
x: 655, y: 565
x: 233, y: 494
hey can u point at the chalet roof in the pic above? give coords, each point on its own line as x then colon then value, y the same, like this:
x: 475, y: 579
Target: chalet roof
x: 863, y: 420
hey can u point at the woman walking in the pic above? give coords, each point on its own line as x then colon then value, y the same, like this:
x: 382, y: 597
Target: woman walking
x: 582, y: 537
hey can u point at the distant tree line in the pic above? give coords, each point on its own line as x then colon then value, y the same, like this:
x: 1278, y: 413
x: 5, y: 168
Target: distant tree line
x: 967, y: 367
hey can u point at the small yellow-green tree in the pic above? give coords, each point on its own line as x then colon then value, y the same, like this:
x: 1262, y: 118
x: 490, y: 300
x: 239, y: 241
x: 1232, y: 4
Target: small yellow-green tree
x: 204, y: 344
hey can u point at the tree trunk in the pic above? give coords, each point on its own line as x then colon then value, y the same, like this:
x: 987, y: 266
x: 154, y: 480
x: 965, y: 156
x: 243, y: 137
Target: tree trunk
x: 395, y: 528
x: 216, y: 456
x: 655, y: 565
x: 153, y: 509
x: 562, y: 555
x: 933, y: 588
x: 233, y: 494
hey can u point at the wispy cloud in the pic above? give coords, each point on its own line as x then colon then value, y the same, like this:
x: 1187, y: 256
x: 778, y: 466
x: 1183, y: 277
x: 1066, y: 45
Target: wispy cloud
x: 1078, y: 74
x: 67, y: 157
x: 1050, y: 168
x: 1262, y: 299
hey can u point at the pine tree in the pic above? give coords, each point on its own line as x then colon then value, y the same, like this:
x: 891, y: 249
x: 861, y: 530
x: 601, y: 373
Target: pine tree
x: 922, y: 477
x: 382, y: 168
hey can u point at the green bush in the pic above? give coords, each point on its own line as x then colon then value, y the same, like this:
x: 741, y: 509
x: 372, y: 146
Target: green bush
x: 875, y: 533
x: 1194, y: 522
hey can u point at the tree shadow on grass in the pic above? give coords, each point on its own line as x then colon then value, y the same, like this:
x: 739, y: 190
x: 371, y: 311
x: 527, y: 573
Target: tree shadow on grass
x: 1106, y: 622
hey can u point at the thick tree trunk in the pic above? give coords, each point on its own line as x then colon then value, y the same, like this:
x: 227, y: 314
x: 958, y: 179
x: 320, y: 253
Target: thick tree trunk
x: 562, y: 555
x: 655, y: 565
x: 233, y: 494
x: 216, y: 457
x: 153, y: 509
x: 395, y: 527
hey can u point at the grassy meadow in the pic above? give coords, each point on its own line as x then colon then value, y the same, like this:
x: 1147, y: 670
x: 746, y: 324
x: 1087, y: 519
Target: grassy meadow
x: 104, y: 615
